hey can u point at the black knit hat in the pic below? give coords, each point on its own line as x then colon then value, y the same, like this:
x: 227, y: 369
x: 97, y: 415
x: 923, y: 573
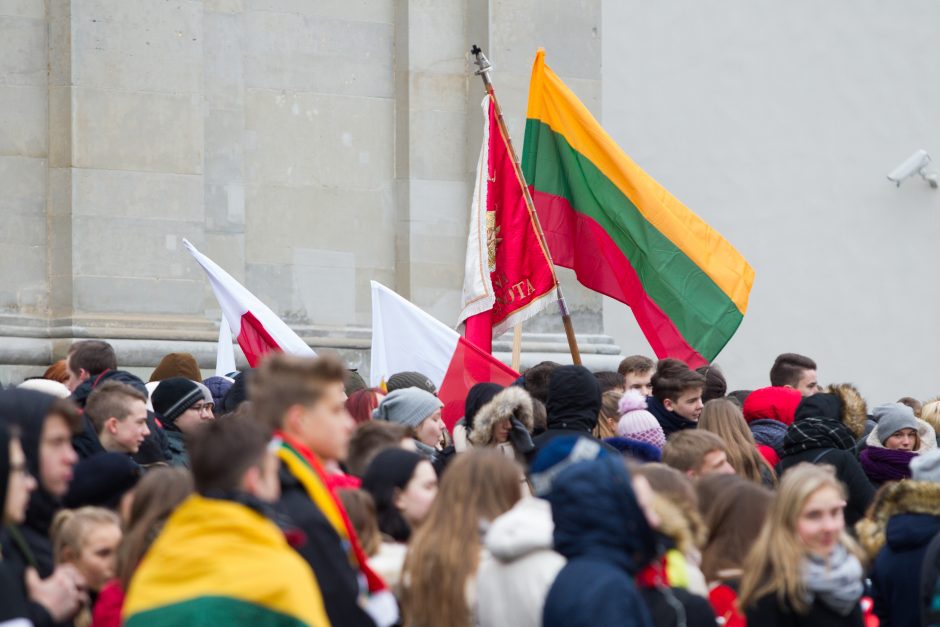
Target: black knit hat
x: 174, y: 396
x: 401, y: 380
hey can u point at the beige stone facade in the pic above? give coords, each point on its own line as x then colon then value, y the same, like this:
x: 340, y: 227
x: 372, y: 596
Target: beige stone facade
x: 307, y: 146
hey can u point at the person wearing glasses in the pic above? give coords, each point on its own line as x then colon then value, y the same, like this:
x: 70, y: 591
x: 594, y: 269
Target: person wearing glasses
x: 181, y: 407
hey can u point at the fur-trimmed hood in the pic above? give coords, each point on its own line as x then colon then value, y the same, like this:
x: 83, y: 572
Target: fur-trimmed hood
x: 928, y: 437
x: 854, y: 408
x: 903, y: 497
x: 513, y: 402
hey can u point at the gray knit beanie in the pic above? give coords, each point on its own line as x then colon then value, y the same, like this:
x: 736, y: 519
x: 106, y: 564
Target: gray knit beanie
x: 891, y: 418
x: 926, y: 467
x: 407, y: 406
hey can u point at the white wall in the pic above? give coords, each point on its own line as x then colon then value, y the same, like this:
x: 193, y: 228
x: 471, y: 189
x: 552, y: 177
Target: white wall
x: 777, y: 123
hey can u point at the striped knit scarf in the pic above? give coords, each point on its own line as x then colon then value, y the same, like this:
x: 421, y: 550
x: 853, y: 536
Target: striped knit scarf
x: 305, y: 466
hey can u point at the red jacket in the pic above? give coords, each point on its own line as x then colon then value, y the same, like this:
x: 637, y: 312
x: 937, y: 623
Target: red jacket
x: 107, y: 610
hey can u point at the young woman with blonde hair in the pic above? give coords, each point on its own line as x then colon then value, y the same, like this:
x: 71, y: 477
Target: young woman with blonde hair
x: 724, y: 418
x: 438, y: 578
x: 804, y: 569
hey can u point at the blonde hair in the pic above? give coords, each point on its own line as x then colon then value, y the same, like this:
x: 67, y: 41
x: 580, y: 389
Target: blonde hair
x: 478, y: 486
x: 724, y: 418
x: 610, y: 410
x: 775, y: 562
x: 930, y: 413
x: 70, y: 529
x: 671, y: 485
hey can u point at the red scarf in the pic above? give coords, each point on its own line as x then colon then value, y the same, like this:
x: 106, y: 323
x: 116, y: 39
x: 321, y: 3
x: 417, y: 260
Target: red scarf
x: 358, y: 556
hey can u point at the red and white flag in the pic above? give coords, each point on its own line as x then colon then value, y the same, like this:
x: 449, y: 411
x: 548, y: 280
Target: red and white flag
x: 508, y: 276
x: 405, y: 338
x: 257, y: 328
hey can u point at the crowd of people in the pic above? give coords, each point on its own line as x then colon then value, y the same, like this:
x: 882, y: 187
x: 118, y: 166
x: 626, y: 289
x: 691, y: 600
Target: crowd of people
x: 294, y: 494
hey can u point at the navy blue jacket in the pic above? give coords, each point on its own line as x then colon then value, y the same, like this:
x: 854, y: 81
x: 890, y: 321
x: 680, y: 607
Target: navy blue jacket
x: 601, y: 531
x: 896, y: 573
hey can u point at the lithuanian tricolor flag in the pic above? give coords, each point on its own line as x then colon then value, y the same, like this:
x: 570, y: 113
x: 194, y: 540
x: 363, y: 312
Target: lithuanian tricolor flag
x: 218, y: 562
x: 623, y: 234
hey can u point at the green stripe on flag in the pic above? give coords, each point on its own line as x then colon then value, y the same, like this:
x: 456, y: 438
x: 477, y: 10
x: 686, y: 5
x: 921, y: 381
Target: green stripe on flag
x: 704, y: 315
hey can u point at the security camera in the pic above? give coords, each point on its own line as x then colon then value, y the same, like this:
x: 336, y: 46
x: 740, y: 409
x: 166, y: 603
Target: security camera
x: 915, y: 164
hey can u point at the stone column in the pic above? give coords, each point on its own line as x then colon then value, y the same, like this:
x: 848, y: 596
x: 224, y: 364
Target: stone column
x: 432, y: 172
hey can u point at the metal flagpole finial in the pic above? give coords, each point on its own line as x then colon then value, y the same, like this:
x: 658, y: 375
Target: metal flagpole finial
x: 481, y: 61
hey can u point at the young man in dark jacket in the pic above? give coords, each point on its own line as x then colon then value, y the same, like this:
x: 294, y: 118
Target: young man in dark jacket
x: 303, y: 402
x: 89, y: 364
x: 677, y: 396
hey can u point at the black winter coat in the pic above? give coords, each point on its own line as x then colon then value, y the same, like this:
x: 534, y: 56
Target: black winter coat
x: 574, y: 402
x: 28, y: 409
x: 12, y: 595
x: 323, y: 550
x: 896, y: 574
x: 602, y: 532
x: 768, y: 612
x: 819, y: 436
x: 28, y: 544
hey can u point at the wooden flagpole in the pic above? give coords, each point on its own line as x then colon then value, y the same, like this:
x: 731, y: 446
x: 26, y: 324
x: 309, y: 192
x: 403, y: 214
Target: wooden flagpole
x: 484, y: 72
x: 516, y: 346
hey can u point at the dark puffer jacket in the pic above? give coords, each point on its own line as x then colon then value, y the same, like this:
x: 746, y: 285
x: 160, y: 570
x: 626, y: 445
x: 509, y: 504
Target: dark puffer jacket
x: 896, y: 537
x: 819, y: 435
x: 601, y: 530
x: 574, y: 402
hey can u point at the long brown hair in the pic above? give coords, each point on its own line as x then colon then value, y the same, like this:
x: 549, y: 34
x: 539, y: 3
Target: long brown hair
x: 477, y: 487
x: 734, y: 510
x: 156, y: 496
x: 724, y: 418
x: 609, y: 414
x: 775, y: 562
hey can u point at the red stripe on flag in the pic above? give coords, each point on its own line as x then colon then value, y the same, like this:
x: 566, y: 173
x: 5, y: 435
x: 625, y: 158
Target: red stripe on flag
x: 254, y: 339
x: 608, y: 271
x: 479, y: 330
x: 467, y: 367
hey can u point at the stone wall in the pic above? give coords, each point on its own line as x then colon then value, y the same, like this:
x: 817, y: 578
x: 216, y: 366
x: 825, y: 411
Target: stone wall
x: 307, y: 147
